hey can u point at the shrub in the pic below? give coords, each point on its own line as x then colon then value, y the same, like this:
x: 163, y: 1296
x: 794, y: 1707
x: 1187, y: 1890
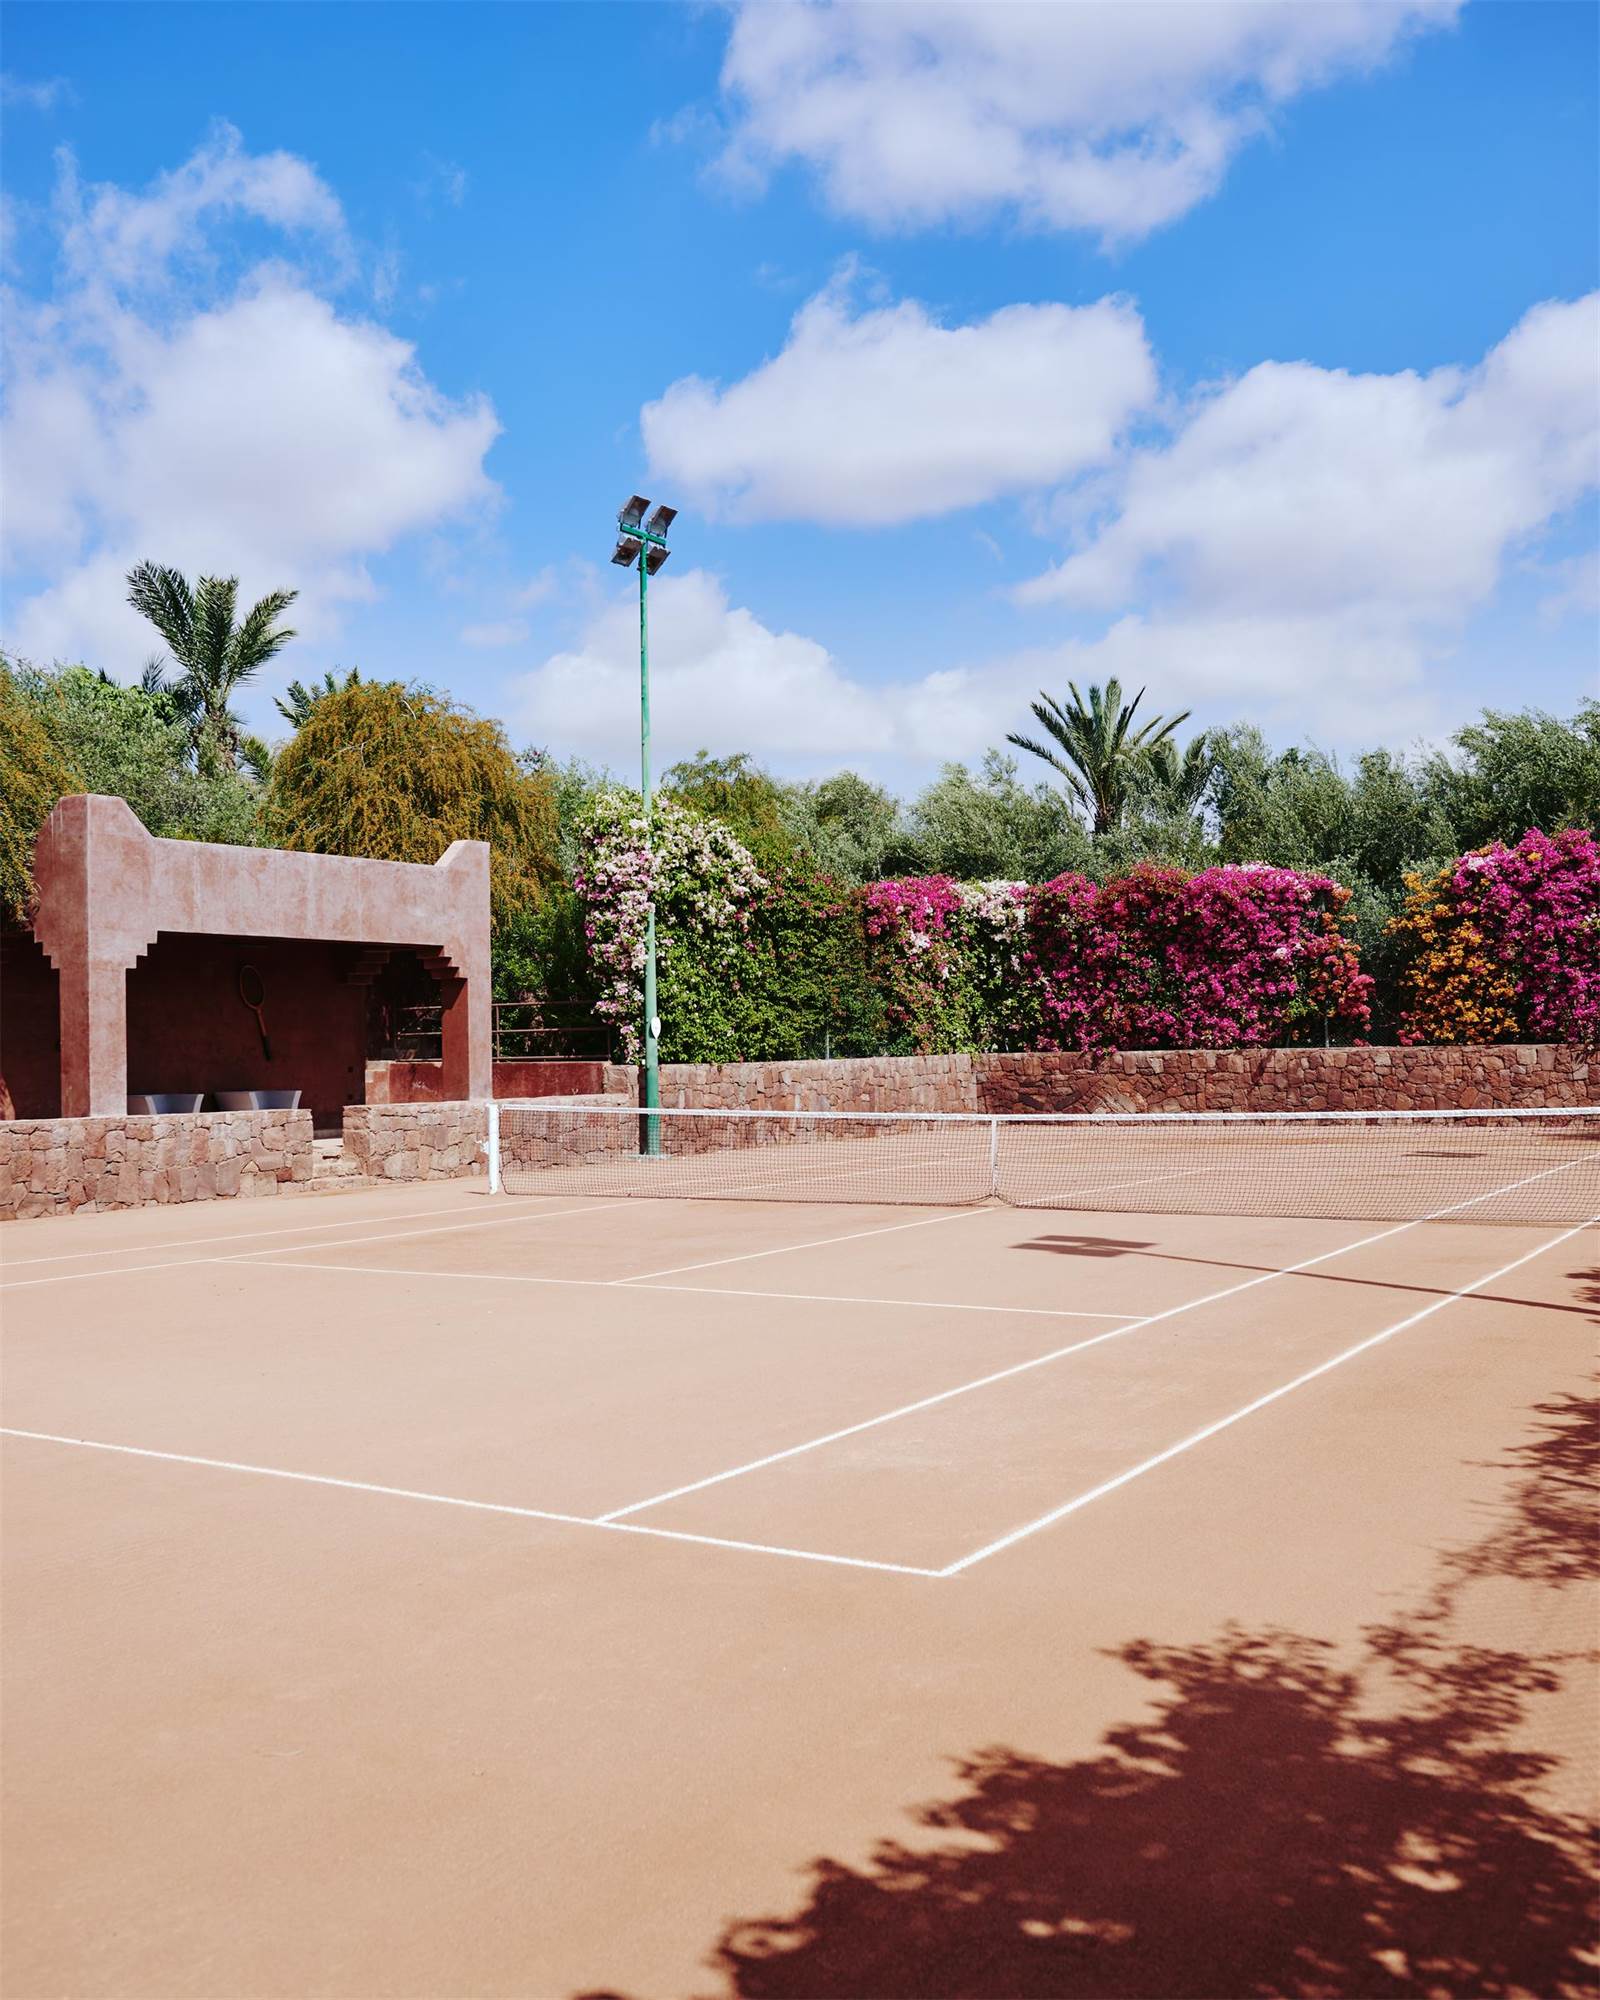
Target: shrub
x: 1505, y: 943
x: 705, y: 888
x: 1158, y: 959
x: 33, y: 775
x: 397, y: 773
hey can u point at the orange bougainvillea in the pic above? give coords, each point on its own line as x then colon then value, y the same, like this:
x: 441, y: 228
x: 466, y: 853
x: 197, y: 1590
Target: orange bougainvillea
x: 1453, y: 989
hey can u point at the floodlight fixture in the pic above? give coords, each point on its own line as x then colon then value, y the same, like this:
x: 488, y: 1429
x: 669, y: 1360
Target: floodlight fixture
x: 645, y: 543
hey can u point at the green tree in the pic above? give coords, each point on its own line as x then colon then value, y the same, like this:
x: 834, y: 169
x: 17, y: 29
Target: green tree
x: 848, y: 827
x: 34, y: 773
x: 991, y: 827
x: 1519, y: 771
x: 126, y: 743
x: 214, y: 655
x: 738, y: 792
x: 397, y: 773
x: 1096, y: 747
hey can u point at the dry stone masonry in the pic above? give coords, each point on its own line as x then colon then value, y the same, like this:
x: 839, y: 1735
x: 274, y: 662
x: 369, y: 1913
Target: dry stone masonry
x: 52, y: 1166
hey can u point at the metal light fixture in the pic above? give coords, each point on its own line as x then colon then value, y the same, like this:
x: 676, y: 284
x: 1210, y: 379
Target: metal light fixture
x: 645, y: 543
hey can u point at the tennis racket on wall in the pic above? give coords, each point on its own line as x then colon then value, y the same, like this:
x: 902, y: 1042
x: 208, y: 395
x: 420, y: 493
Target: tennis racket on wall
x: 253, y: 992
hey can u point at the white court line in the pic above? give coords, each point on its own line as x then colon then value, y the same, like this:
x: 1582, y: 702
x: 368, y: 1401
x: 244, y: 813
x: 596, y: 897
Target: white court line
x: 1260, y: 1403
x: 234, y: 1236
x: 476, y: 1506
x: 347, y: 1243
x: 811, y: 1243
x: 1077, y: 1347
x: 688, y: 1291
x: 850, y: 1299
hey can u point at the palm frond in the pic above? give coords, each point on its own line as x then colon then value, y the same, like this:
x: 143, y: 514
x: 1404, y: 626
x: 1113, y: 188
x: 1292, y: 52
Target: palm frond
x: 214, y: 600
x: 163, y: 596
x: 255, y: 642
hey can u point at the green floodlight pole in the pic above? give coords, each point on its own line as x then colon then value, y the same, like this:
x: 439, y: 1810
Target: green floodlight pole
x: 646, y: 544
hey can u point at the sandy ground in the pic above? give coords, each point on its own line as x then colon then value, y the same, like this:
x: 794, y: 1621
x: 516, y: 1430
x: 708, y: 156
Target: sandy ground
x: 683, y: 1598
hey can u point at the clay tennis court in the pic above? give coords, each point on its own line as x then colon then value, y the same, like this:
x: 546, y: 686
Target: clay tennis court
x: 429, y: 1592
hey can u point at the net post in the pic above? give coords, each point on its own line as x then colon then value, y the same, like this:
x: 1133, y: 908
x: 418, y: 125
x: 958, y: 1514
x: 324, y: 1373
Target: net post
x: 994, y: 1156
x: 492, y: 1142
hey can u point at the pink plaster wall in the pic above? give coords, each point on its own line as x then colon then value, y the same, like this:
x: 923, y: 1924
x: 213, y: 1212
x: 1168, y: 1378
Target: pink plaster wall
x: 107, y: 889
x: 30, y: 1027
x: 401, y: 1082
x: 189, y: 1030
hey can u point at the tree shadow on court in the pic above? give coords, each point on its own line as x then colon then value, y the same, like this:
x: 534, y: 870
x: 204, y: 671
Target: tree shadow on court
x: 1117, y: 1246
x: 1546, y: 1530
x: 1279, y: 1821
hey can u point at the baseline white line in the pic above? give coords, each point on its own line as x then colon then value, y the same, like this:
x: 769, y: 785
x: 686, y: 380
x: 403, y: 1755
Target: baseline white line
x: 812, y: 1243
x: 279, y: 1263
x: 281, y: 1249
x: 1260, y: 1403
x: 475, y: 1506
x: 234, y: 1236
x: 1077, y: 1347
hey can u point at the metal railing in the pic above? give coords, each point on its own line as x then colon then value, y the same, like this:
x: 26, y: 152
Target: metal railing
x: 524, y: 1031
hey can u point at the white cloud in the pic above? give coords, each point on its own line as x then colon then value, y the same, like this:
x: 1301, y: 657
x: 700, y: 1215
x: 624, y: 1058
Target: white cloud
x: 244, y: 427
x: 507, y: 632
x: 886, y: 415
x: 718, y: 676
x: 36, y: 94
x: 539, y: 589
x: 1306, y: 546
x: 113, y: 238
x: 1114, y: 118
x: 1335, y: 530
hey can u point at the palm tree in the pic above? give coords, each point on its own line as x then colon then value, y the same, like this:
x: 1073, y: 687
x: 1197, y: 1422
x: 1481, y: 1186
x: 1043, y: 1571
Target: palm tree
x: 214, y: 655
x: 1175, y: 780
x: 299, y: 699
x: 1098, y: 751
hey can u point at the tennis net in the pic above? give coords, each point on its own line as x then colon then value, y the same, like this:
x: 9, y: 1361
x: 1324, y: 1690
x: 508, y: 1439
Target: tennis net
x: 1472, y: 1166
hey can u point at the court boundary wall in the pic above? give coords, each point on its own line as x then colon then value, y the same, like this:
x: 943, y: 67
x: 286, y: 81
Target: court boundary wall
x: 57, y: 1166
x: 1508, y: 1077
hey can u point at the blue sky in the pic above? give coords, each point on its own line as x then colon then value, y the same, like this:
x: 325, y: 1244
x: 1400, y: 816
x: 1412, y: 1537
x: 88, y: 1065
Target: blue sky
x: 1247, y: 350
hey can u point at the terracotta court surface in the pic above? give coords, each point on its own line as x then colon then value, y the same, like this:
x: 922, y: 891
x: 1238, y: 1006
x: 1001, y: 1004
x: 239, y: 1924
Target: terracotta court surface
x: 431, y: 1593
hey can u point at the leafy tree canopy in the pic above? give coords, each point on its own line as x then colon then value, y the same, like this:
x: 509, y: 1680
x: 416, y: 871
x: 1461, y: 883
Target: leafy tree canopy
x: 736, y: 791
x: 34, y: 773
x: 123, y: 741
x: 396, y: 773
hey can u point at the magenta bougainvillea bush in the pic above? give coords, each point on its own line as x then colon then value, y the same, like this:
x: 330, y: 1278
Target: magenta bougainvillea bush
x: 1161, y: 960
x: 1500, y: 945
x: 1505, y: 943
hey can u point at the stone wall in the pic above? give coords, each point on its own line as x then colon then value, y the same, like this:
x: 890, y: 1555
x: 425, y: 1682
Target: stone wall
x: 416, y: 1142
x: 863, y: 1083
x: 1372, y: 1079
x: 1365, y: 1079
x: 51, y: 1166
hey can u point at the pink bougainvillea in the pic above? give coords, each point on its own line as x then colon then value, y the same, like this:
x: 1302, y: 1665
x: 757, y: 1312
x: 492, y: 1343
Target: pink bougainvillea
x: 915, y: 937
x: 1524, y: 921
x: 1229, y: 957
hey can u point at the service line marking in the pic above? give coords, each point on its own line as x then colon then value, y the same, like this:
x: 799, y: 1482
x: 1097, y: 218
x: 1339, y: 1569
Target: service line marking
x: 1077, y: 1347
x: 1259, y: 1403
x: 244, y: 1257
x: 475, y: 1506
x: 687, y: 1291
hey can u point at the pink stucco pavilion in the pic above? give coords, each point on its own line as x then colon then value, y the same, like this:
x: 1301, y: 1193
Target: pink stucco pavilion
x: 147, y: 940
